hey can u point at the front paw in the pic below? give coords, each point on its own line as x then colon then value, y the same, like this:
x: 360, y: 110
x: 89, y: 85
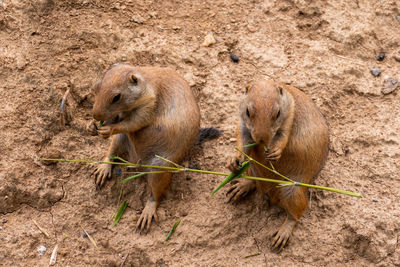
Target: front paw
x: 273, y: 154
x: 91, y: 128
x: 105, y: 131
x: 234, y: 165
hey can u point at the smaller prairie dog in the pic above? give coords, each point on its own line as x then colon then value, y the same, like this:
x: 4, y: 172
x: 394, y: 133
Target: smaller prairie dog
x: 291, y: 133
x: 148, y: 111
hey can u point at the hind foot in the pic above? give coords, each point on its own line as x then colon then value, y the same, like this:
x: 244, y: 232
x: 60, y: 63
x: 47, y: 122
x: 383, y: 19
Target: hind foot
x: 282, y: 236
x: 149, y: 212
x: 102, y: 172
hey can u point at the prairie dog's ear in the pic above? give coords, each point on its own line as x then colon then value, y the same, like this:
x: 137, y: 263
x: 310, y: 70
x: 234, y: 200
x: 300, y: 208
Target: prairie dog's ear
x: 280, y: 89
x: 248, y: 87
x: 96, y: 87
x: 135, y: 78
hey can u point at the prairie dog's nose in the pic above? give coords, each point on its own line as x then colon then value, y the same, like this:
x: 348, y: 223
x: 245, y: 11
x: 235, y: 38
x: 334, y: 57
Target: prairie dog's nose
x: 97, y: 115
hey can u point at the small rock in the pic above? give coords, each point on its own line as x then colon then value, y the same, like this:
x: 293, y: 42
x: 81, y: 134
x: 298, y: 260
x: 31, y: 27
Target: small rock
x: 41, y: 250
x: 118, y: 172
x: 374, y: 200
x: 376, y: 72
x: 232, y: 139
x: 397, y: 56
x: 234, y: 57
x: 209, y: 40
x: 389, y: 86
x: 381, y: 56
x: 4, y: 221
x: 398, y: 18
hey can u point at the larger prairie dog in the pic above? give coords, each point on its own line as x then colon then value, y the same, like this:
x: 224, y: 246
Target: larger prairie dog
x: 293, y: 135
x: 148, y: 111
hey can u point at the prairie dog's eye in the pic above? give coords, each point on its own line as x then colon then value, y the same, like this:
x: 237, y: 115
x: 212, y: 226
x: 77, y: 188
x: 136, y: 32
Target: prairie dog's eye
x: 247, y: 112
x: 278, y: 114
x: 116, y: 98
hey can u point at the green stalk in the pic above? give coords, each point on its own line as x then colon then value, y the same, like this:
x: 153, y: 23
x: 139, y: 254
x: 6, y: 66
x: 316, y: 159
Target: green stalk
x: 242, y: 169
x: 120, y: 212
x: 250, y: 145
x: 174, y: 169
x: 262, y: 165
x: 173, y: 229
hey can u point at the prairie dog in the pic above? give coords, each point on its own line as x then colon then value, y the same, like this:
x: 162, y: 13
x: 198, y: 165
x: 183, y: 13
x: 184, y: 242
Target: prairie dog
x: 147, y: 111
x: 291, y: 133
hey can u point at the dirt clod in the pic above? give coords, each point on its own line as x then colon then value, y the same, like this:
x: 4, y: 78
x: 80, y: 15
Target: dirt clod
x: 209, y: 40
x: 389, y: 86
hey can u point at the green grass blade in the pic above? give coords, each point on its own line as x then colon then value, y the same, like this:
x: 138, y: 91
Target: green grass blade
x: 133, y: 177
x: 101, y: 123
x: 250, y: 145
x: 120, y: 212
x: 172, y: 229
x: 242, y: 169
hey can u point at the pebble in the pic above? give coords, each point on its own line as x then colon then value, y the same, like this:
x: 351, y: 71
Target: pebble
x: 376, y: 72
x: 389, y: 86
x: 234, y: 57
x: 374, y: 200
x: 4, y: 221
x: 41, y: 250
x: 209, y: 40
x: 118, y: 172
x: 397, y: 56
x: 381, y: 56
x: 398, y: 18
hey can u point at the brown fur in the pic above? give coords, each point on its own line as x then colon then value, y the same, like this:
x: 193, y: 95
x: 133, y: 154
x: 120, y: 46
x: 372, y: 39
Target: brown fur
x: 296, y: 142
x: 155, y: 114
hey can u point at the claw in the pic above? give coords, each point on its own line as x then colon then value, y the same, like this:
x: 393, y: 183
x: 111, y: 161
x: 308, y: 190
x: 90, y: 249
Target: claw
x: 239, y: 190
x: 281, y: 237
x: 274, y: 155
x: 101, y: 173
x: 149, y: 212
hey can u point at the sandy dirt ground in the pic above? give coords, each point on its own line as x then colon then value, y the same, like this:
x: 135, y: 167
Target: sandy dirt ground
x: 325, y: 48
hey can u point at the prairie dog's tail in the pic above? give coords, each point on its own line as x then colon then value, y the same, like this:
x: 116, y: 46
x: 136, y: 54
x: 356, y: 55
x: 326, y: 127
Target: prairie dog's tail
x: 208, y: 134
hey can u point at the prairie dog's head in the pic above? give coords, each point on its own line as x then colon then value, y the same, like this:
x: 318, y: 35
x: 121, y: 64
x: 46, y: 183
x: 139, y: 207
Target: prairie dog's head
x: 264, y: 109
x: 118, y: 91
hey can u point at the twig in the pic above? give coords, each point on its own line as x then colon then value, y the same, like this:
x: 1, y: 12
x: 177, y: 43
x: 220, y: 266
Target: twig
x: 252, y: 255
x: 64, y: 99
x: 53, y: 257
x: 123, y: 261
x: 41, y: 229
x: 90, y: 238
x: 359, y: 63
